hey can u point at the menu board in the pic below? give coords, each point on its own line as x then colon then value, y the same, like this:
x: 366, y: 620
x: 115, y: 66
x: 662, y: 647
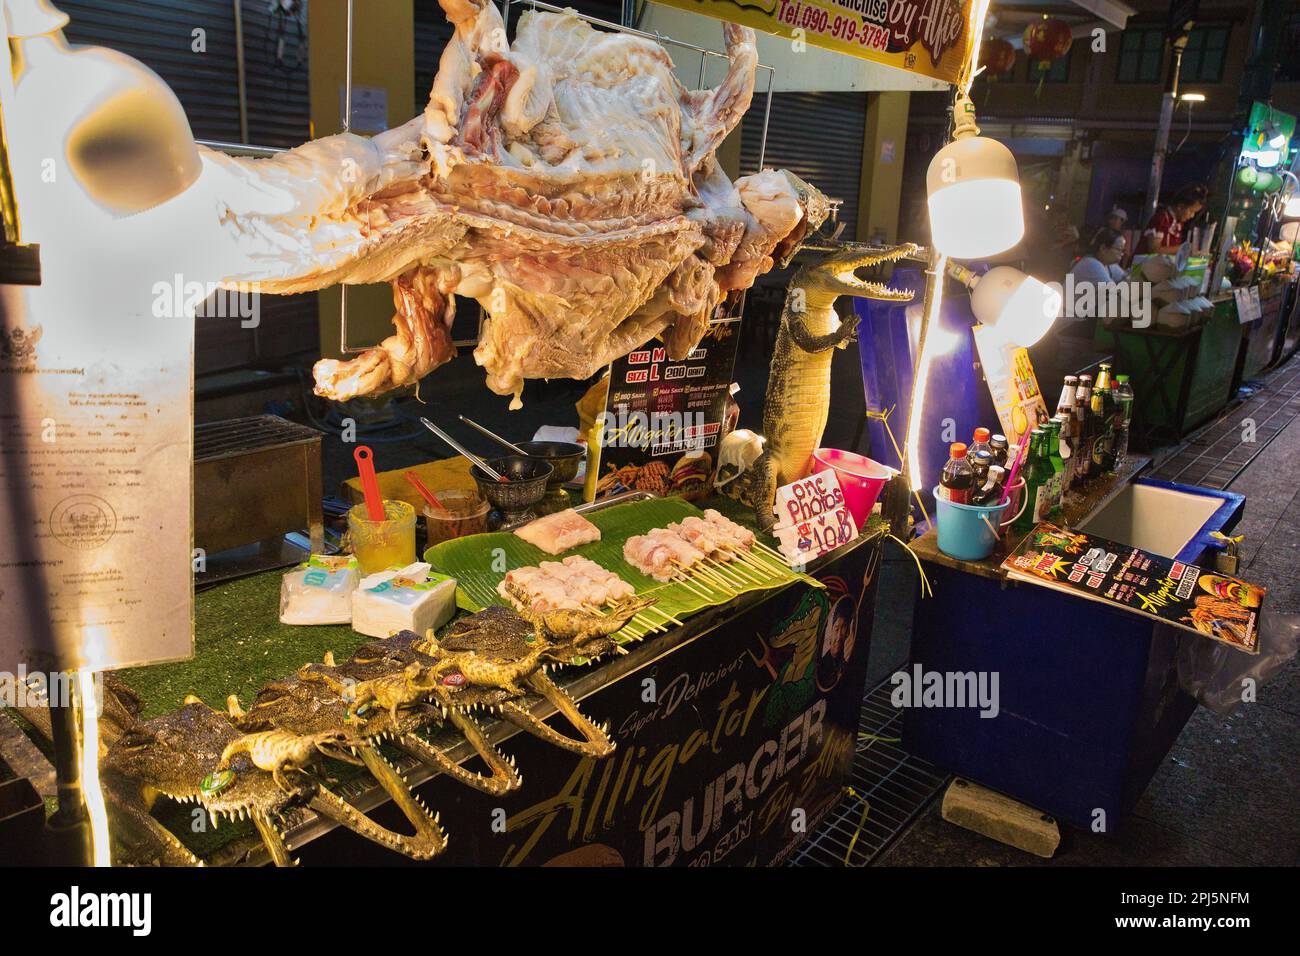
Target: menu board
x: 96, y: 427
x: 1012, y: 384
x: 1185, y: 595
x: 663, y: 419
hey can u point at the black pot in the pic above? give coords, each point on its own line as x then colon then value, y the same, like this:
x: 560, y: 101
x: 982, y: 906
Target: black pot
x: 563, y: 456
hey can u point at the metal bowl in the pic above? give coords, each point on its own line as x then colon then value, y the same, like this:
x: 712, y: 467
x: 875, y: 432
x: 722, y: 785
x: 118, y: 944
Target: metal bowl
x: 564, y: 456
x: 527, y: 484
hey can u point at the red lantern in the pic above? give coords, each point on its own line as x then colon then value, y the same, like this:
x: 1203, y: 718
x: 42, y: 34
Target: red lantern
x: 1046, y: 41
x: 998, y: 57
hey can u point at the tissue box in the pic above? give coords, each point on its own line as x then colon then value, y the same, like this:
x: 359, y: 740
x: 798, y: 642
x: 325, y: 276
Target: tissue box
x: 413, y: 598
x: 319, y: 591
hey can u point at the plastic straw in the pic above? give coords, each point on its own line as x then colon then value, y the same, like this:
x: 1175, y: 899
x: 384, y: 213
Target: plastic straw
x: 1015, y: 471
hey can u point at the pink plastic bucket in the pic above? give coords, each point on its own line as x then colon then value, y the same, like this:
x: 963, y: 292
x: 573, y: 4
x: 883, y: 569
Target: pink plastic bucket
x: 860, y: 478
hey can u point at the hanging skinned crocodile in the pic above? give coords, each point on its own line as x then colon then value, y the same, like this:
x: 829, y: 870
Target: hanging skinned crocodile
x: 567, y: 181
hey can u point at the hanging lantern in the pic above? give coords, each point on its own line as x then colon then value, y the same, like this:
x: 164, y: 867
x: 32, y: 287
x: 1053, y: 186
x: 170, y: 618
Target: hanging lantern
x: 998, y: 57
x: 1047, y: 41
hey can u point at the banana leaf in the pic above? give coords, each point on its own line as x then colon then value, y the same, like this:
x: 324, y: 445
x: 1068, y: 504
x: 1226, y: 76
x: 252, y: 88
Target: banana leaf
x: 479, y: 562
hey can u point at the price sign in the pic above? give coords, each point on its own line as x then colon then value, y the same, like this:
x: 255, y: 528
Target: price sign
x: 811, y: 518
x: 1248, y: 305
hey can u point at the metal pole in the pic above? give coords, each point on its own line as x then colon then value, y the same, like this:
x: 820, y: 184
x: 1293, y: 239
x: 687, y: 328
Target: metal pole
x: 240, y: 78
x: 347, y: 128
x: 1162, y: 131
x: 69, y: 827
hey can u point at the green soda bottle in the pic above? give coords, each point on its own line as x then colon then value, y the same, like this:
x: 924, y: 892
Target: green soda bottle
x: 1056, y: 484
x: 1036, y: 470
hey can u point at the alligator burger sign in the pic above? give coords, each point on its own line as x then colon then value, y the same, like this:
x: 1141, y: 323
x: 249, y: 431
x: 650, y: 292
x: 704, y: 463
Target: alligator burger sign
x: 920, y: 36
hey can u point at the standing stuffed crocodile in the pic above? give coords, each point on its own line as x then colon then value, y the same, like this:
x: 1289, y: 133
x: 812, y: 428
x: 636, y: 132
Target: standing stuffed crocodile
x: 799, y: 383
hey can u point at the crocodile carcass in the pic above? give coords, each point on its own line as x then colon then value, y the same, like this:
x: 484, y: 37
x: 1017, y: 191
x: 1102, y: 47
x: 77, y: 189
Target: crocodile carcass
x: 567, y: 182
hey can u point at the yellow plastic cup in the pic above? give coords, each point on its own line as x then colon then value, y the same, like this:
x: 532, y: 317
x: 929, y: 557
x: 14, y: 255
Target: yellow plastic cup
x: 379, y: 545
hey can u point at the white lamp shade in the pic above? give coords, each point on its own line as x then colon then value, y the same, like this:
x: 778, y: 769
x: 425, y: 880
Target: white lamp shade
x: 126, y: 138
x: 1020, y: 307
x: 974, y: 198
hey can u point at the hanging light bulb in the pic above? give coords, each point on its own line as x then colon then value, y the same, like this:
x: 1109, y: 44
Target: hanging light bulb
x: 123, y: 134
x: 1291, y: 205
x: 1020, y: 307
x: 974, y: 192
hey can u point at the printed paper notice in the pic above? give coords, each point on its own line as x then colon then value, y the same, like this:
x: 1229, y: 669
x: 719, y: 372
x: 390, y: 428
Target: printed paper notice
x: 96, y: 439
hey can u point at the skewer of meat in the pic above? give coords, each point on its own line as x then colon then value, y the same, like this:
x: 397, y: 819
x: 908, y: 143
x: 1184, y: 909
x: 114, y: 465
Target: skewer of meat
x: 699, y: 533
x: 664, y: 557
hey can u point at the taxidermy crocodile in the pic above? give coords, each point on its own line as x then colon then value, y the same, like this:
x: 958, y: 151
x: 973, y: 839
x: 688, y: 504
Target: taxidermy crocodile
x: 799, y: 383
x: 196, y: 755
x: 262, y: 763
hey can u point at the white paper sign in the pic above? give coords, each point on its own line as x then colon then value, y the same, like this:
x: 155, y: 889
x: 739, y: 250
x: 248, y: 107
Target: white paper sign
x: 369, y: 108
x: 811, y: 518
x: 97, y: 424
x: 1248, y: 307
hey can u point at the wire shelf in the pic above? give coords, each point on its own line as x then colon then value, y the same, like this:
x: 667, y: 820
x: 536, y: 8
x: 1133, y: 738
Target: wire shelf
x: 895, y: 786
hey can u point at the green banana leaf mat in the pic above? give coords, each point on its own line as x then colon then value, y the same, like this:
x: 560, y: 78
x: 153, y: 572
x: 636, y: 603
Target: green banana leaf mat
x: 480, y: 562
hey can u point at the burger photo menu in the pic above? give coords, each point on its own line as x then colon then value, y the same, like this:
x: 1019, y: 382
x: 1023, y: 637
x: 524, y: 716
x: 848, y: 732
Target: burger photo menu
x: 663, y: 419
x: 1187, y: 596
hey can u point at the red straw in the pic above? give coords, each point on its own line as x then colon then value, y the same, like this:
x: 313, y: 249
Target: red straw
x: 425, y: 493
x: 369, y: 483
x: 1015, y: 470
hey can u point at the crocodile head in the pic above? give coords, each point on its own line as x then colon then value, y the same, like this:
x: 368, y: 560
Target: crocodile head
x: 836, y: 273
x: 816, y: 210
x: 176, y: 755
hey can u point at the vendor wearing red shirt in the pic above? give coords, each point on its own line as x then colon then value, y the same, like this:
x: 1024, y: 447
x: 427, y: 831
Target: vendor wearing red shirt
x: 1164, y: 231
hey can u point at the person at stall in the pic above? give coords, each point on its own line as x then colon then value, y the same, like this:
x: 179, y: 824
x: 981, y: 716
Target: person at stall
x: 1168, y: 227
x: 1117, y: 219
x: 1099, y: 267
x: 1101, y: 260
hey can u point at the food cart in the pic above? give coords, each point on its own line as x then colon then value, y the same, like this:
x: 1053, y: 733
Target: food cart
x: 696, y: 704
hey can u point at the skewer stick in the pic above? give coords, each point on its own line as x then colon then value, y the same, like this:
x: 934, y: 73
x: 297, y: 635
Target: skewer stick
x: 742, y: 570
x: 709, y: 576
x: 749, y: 560
x: 647, y: 625
x: 666, y: 615
x: 769, y: 551
x: 731, y: 577
x: 687, y: 583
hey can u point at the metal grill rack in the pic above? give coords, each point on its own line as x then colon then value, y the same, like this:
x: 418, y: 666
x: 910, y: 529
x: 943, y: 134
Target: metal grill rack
x: 255, y: 480
x: 895, y: 786
x: 240, y: 436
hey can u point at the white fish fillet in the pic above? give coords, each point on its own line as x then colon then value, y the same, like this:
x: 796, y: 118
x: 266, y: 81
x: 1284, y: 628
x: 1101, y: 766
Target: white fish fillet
x: 558, y: 532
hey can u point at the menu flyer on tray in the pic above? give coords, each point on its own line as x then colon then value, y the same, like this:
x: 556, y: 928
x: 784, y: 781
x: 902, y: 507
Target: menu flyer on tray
x: 663, y: 419
x: 1216, y: 605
